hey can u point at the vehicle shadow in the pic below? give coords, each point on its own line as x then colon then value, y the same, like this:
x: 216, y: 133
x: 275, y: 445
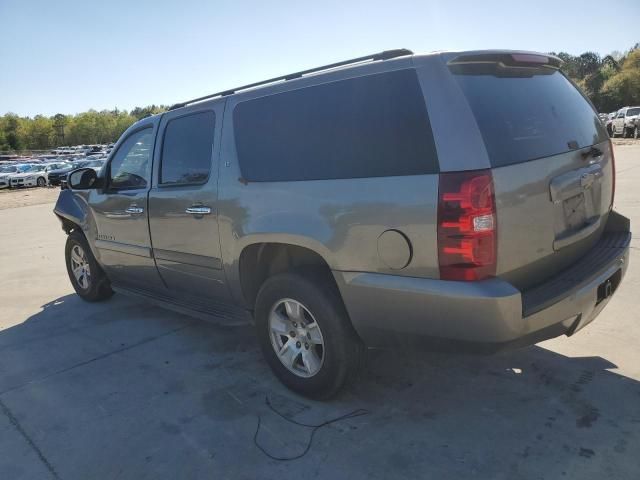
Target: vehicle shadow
x: 124, y: 389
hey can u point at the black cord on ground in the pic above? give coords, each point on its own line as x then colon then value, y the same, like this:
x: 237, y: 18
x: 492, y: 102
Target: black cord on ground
x: 356, y: 413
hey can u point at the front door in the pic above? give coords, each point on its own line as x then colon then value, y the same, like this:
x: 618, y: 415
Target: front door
x: 183, y: 214
x: 120, y: 212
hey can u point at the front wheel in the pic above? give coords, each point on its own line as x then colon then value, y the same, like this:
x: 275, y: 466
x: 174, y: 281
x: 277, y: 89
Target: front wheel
x: 41, y: 182
x: 306, y: 335
x: 87, y: 277
x: 636, y: 133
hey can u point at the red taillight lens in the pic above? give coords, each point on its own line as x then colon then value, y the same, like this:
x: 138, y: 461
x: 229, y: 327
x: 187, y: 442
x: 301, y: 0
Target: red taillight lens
x: 467, y: 230
x: 613, y: 173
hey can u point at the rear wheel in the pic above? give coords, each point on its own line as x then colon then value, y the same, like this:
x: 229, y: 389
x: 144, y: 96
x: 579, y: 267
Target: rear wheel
x: 87, y: 277
x: 306, y: 335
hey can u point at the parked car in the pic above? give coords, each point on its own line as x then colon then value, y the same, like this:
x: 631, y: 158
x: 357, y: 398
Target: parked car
x: 54, y: 176
x: 635, y: 127
x: 341, y: 210
x: 623, y: 123
x: 33, y: 176
x: 11, y: 170
x: 54, y: 168
x: 5, y: 172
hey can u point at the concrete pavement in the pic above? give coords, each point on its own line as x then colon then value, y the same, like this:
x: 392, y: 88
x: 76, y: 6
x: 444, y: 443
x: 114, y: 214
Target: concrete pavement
x: 125, y: 390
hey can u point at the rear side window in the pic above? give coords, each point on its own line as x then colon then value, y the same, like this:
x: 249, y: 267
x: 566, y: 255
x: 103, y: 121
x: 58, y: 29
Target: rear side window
x: 371, y: 126
x: 187, y: 149
x: 535, y: 114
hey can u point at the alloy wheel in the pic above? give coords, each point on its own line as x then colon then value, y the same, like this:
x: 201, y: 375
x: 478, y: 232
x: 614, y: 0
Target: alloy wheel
x: 296, y: 338
x: 80, y: 267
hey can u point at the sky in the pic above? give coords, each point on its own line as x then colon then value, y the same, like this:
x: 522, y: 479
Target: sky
x: 68, y: 56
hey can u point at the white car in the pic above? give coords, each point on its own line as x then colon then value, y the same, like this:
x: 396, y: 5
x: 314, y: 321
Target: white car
x: 34, y: 176
x: 623, y: 123
x: 7, y: 171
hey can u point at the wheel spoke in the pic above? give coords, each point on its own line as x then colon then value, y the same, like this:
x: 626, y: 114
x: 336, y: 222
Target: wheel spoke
x: 314, y: 333
x: 75, y: 256
x: 280, y: 324
x: 288, y: 354
x: 77, y: 272
x: 310, y: 361
x: 294, y: 311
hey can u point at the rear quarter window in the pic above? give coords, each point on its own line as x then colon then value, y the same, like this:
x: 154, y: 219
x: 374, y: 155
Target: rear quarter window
x: 369, y: 126
x: 537, y: 114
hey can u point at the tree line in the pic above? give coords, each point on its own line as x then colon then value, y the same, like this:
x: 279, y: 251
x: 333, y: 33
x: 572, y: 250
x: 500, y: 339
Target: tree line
x: 87, y: 128
x: 610, y: 82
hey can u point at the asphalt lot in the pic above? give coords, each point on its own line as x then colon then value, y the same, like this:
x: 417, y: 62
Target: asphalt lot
x: 125, y: 390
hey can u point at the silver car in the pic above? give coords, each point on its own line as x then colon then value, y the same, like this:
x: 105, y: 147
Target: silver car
x: 624, y: 122
x: 458, y: 200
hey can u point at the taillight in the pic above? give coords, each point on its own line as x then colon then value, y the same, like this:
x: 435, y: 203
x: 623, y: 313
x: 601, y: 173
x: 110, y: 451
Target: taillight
x: 467, y: 230
x: 613, y: 173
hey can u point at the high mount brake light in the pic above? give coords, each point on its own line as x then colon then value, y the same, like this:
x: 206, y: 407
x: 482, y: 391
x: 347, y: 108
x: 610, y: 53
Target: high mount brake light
x: 467, y: 229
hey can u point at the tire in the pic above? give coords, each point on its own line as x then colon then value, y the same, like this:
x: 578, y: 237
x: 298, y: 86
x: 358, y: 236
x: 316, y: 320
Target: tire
x: 92, y: 284
x: 636, y: 132
x: 613, y: 132
x: 41, y: 182
x: 333, y: 343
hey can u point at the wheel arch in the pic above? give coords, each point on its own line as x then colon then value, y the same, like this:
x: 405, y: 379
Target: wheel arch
x: 262, y: 259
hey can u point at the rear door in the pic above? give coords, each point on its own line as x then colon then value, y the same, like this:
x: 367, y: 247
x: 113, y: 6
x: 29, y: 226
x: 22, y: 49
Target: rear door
x: 183, y: 203
x: 551, y: 162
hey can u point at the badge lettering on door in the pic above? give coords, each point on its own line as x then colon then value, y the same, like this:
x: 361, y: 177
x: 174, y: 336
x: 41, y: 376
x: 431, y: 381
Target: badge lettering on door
x: 102, y: 236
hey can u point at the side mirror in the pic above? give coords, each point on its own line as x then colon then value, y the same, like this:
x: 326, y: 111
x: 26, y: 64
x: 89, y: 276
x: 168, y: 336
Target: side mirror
x: 83, y: 179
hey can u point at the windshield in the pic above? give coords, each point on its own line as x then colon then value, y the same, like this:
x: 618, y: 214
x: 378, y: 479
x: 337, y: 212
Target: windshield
x: 35, y: 168
x: 8, y: 169
x: 633, y: 111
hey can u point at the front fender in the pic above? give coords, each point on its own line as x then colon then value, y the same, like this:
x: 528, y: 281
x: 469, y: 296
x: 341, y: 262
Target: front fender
x: 68, y: 208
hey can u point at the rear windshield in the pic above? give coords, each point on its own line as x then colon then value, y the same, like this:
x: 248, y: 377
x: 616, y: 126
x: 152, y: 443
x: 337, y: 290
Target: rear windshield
x: 536, y: 114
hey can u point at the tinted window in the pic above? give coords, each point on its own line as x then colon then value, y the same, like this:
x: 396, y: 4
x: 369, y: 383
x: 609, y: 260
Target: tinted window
x: 535, y: 114
x: 187, y: 148
x: 130, y: 165
x: 633, y: 111
x: 370, y: 126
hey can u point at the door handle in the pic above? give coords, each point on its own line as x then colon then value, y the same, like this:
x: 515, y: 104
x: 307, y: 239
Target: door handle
x: 198, y: 210
x: 135, y: 210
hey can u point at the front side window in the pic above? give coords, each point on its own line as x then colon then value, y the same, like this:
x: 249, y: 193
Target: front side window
x: 130, y: 166
x: 187, y: 149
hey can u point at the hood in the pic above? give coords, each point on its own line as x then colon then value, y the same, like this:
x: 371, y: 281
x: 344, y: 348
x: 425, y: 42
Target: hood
x: 25, y: 174
x: 58, y: 171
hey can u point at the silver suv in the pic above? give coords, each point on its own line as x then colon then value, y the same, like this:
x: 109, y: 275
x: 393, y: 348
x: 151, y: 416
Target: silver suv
x: 451, y: 200
x: 624, y: 123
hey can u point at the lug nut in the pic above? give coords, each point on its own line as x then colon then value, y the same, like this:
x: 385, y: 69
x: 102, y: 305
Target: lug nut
x: 295, y: 324
x: 292, y: 333
x: 306, y: 345
x: 298, y: 344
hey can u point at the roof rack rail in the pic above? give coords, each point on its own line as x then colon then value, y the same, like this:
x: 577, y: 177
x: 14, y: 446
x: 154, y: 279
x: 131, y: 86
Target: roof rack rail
x: 386, y: 55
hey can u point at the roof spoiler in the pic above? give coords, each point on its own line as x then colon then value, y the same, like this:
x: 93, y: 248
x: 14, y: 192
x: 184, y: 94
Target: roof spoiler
x: 508, y: 59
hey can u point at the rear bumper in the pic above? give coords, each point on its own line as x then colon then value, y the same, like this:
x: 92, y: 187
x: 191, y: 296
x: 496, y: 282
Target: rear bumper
x: 489, y: 315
